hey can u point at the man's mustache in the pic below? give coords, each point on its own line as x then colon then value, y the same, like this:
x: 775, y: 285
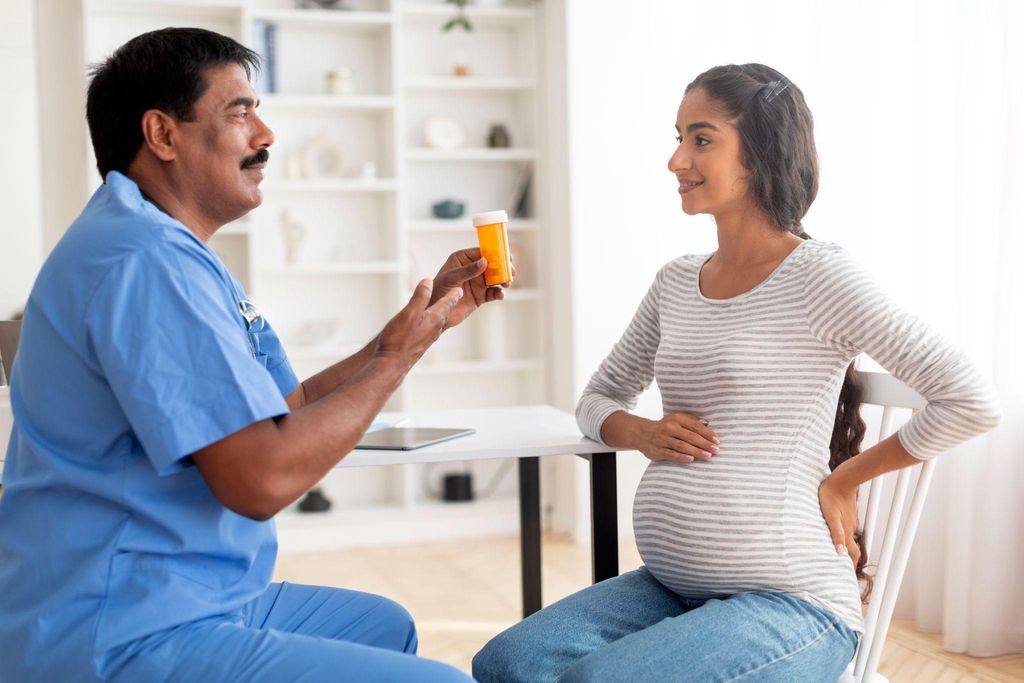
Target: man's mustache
x: 260, y: 157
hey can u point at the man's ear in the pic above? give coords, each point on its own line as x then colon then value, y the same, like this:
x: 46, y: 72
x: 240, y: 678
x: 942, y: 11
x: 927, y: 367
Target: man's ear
x: 158, y: 134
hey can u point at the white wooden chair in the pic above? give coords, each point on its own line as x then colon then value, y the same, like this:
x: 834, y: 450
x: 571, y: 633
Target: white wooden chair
x: 896, y: 539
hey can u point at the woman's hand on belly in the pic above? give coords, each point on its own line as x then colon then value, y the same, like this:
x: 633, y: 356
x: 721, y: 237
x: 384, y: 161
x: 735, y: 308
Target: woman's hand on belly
x: 679, y: 437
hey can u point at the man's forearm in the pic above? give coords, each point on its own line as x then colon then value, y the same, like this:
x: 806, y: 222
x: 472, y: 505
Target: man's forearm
x: 258, y: 471
x: 314, y: 438
x: 329, y: 379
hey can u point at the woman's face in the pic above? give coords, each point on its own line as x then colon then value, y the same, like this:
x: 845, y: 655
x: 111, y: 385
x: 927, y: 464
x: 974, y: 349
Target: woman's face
x: 707, y: 161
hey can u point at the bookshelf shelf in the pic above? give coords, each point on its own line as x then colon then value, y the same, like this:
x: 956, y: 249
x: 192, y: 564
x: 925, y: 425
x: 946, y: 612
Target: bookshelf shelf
x: 356, y: 268
x: 470, y: 154
x: 356, y: 21
x: 485, y: 17
x: 328, y: 102
x: 329, y: 185
x: 470, y: 83
x: 226, y: 9
x: 464, y: 226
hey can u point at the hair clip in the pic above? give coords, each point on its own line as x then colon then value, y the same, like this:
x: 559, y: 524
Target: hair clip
x: 777, y: 88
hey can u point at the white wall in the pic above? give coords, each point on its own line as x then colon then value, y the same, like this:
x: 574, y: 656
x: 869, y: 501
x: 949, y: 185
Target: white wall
x: 21, y: 242
x: 64, y: 147
x: 887, y: 159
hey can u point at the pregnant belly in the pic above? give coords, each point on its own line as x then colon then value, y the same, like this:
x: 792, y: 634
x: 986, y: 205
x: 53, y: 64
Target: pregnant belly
x: 704, y: 530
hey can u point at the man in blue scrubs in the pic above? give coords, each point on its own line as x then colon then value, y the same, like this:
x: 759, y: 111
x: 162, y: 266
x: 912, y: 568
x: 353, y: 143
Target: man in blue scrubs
x: 159, y: 426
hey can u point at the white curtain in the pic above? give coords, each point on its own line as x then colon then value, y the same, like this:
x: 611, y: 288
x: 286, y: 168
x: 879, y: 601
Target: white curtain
x: 966, y: 576
x: 920, y: 125
x: 920, y: 120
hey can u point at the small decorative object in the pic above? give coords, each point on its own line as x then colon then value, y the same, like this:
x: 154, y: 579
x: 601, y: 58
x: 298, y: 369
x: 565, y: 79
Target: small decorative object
x: 315, y: 501
x: 448, y: 208
x: 460, y: 66
x: 460, y: 19
x: 340, y: 81
x: 323, y: 4
x: 322, y: 158
x: 293, y: 233
x: 293, y: 166
x: 368, y: 171
x: 442, y: 133
x: 499, y: 136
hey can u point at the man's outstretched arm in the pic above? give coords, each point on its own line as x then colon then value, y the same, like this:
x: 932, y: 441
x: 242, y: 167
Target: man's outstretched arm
x: 462, y: 270
x: 259, y: 470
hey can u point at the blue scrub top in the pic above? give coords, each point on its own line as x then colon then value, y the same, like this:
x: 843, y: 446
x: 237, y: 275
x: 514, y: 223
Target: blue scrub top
x: 134, y: 354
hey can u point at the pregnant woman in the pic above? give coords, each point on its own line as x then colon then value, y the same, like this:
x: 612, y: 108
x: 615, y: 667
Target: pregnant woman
x: 746, y: 515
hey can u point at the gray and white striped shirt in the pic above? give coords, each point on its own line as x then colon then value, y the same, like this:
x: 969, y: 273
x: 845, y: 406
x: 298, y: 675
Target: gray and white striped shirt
x: 765, y: 369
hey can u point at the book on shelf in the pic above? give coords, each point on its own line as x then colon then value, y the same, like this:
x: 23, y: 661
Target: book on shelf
x: 519, y: 198
x: 263, y: 42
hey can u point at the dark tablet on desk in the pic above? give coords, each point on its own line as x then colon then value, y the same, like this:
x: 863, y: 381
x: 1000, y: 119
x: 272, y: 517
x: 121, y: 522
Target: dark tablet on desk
x: 408, y: 438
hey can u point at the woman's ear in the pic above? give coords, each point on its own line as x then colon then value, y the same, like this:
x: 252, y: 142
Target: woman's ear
x: 158, y: 134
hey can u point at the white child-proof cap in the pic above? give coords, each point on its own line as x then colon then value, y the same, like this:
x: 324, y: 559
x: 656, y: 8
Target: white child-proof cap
x: 489, y: 218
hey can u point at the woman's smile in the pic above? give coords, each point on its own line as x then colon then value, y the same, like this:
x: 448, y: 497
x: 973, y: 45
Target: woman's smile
x: 687, y: 185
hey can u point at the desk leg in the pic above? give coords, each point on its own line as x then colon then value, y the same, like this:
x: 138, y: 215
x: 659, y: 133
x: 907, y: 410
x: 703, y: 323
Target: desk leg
x: 529, y: 532
x: 604, y: 516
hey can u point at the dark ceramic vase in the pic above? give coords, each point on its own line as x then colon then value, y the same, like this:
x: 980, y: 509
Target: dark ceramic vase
x: 449, y: 208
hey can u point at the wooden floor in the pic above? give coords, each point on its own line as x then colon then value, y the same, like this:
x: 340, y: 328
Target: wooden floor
x: 462, y: 593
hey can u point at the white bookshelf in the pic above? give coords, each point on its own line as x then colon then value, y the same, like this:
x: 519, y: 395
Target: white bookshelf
x: 469, y: 154
x: 358, y: 21
x: 429, y: 13
x: 459, y: 226
x: 313, y: 102
x: 369, y: 238
x: 470, y: 83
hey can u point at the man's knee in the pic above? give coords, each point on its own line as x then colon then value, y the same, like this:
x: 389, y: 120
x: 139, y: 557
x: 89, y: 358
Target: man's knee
x: 396, y: 620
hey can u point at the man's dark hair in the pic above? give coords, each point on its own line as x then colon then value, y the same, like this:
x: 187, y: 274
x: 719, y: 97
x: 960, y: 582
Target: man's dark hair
x: 161, y: 70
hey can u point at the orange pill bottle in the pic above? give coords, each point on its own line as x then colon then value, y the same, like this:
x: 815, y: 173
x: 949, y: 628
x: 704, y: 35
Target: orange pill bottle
x: 492, y: 233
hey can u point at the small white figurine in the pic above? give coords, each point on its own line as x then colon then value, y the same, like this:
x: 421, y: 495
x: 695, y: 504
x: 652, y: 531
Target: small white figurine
x: 293, y: 233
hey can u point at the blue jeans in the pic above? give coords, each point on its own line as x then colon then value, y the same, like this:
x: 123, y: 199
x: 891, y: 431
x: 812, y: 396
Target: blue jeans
x: 290, y: 633
x: 632, y: 628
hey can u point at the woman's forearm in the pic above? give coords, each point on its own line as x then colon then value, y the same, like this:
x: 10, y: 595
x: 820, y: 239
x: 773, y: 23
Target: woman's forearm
x: 622, y: 430
x: 885, y: 456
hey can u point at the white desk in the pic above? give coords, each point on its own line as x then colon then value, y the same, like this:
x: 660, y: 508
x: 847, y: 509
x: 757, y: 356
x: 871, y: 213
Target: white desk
x: 525, y: 433
x: 512, y: 432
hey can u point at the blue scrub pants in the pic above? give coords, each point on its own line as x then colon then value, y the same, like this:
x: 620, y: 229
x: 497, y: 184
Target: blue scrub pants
x: 632, y: 628
x: 291, y: 633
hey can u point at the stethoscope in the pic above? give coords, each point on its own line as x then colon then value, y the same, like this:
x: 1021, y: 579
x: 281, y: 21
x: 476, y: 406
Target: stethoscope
x: 254, y: 323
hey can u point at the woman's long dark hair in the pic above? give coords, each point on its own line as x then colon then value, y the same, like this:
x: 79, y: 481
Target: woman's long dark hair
x: 777, y: 147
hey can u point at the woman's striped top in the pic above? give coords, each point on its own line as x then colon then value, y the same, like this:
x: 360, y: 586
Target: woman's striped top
x: 764, y: 369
